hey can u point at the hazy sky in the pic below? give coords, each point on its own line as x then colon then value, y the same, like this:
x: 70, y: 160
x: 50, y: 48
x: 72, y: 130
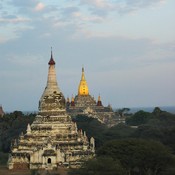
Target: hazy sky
x: 126, y: 46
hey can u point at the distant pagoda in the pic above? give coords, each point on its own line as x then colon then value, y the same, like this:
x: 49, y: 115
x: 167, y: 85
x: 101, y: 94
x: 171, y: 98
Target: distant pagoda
x: 85, y: 104
x: 52, y: 140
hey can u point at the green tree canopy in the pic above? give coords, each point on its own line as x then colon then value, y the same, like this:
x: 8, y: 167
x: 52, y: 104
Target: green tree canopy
x: 100, y: 166
x: 92, y: 127
x: 137, y: 155
x: 139, y: 118
x: 11, y: 125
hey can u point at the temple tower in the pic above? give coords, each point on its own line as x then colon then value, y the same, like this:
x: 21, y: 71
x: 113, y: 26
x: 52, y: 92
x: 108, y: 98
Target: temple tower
x: 83, y: 87
x: 85, y: 104
x: 52, y: 100
x: 53, y: 139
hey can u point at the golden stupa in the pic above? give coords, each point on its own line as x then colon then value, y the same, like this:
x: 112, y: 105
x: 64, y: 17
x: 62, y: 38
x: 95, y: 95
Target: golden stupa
x: 83, y: 87
x: 85, y: 104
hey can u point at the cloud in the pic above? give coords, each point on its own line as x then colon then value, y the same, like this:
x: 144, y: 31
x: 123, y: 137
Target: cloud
x: 31, y: 8
x: 80, y: 14
x: 26, y: 60
x: 127, y: 6
x: 14, y: 20
x: 105, y: 7
x: 99, y: 7
x: 78, y: 17
x: 40, y: 6
x: 103, y: 4
x: 3, y: 39
x: 69, y: 23
x: 24, y: 4
x: 143, y: 3
x: 91, y: 19
x: 68, y: 11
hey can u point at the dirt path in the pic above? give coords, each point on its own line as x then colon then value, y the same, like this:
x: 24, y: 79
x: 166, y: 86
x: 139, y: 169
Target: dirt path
x: 5, y: 171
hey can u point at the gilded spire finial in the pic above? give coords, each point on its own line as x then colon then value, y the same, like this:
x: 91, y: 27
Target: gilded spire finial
x: 83, y: 76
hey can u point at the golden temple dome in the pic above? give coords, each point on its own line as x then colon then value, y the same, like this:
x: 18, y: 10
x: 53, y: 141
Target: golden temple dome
x: 83, y: 87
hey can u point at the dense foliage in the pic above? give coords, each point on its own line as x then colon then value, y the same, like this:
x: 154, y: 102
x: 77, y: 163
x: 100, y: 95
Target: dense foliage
x: 100, y: 131
x: 11, y: 126
x: 133, y: 148
x: 158, y: 125
x: 138, y: 156
x: 100, y: 166
x: 120, y: 150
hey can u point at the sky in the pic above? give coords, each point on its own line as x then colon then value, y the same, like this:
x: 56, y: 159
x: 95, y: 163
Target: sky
x: 127, y: 48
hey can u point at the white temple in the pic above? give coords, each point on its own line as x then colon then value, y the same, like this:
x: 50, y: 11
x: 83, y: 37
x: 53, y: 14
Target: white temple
x: 52, y: 140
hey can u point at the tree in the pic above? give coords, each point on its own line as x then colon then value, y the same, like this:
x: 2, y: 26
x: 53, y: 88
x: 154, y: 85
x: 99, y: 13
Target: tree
x: 123, y: 111
x: 139, y: 118
x: 138, y: 156
x: 92, y: 127
x: 11, y: 125
x: 119, y: 131
x: 100, y: 166
x: 149, y: 132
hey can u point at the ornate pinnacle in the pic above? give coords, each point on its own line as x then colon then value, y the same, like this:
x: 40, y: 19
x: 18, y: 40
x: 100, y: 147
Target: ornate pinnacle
x: 51, y: 62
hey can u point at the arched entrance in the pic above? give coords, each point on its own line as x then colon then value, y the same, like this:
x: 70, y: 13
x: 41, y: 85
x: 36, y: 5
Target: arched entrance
x: 49, y: 161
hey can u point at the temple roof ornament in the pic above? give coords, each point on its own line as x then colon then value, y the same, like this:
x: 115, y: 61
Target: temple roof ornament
x: 28, y: 129
x: 72, y: 101
x: 99, y: 103
x: 83, y: 87
x: 51, y: 62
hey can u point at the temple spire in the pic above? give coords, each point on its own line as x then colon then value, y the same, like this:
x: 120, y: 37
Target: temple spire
x: 83, y: 87
x: 52, y: 81
x: 99, y: 103
x: 82, y: 75
x: 72, y: 101
x: 49, y: 100
x: 51, y: 62
x: 99, y: 98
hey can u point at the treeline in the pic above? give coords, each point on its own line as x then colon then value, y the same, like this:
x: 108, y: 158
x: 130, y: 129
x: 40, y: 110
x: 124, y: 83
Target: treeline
x: 158, y: 125
x: 145, y: 145
x: 11, y: 126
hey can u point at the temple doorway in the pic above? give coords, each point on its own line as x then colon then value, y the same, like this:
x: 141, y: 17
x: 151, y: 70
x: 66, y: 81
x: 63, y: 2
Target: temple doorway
x: 49, y: 161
